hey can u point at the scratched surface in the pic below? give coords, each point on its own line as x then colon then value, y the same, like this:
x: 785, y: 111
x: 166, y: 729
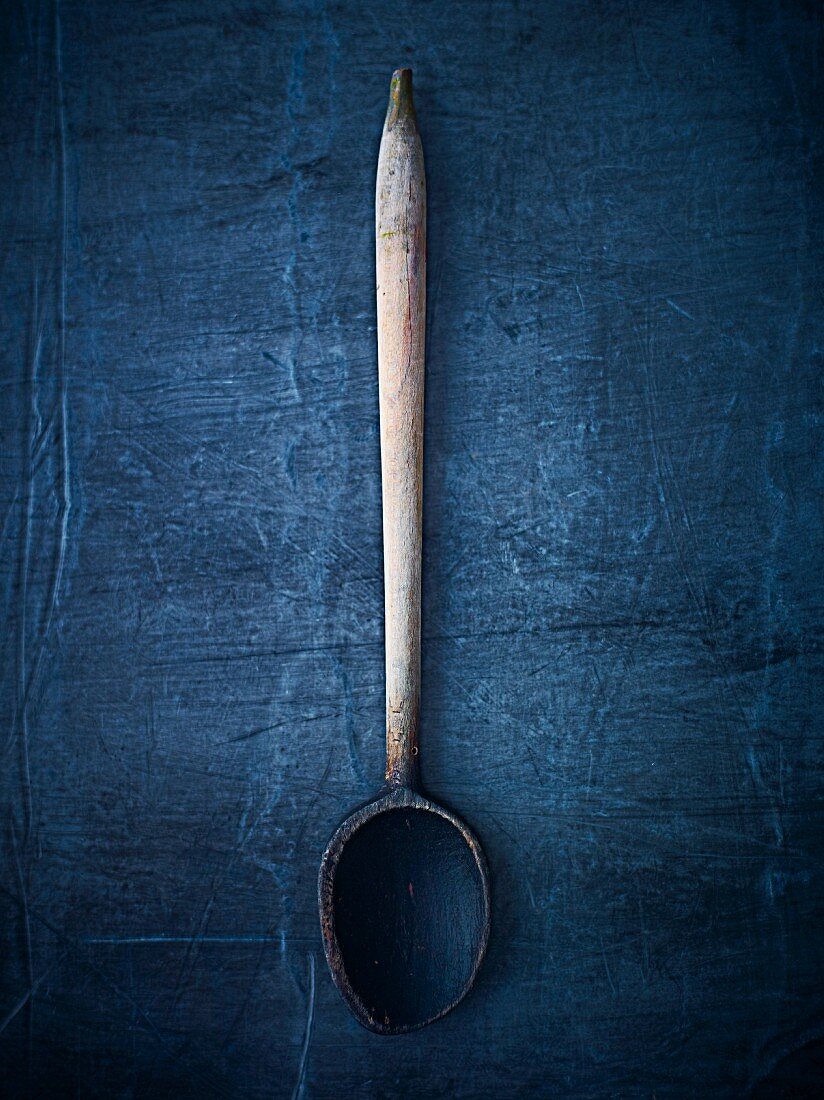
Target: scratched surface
x: 623, y: 586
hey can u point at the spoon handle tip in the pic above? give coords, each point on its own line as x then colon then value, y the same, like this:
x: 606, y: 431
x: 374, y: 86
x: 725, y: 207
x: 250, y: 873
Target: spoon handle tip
x: 401, y: 101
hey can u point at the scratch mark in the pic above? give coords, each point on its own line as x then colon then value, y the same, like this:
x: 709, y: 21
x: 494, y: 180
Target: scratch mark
x: 22, y: 881
x: 291, y: 722
x: 244, y: 1005
x: 29, y: 994
x: 313, y: 803
x: 163, y: 937
x: 199, y: 933
x: 65, y: 504
x: 292, y: 393
x: 480, y: 693
x: 294, y: 103
x: 21, y: 1004
x: 606, y: 965
x: 297, y: 1092
x: 8, y: 516
x: 678, y: 309
x: 640, y: 64
x: 676, y: 515
x: 532, y: 902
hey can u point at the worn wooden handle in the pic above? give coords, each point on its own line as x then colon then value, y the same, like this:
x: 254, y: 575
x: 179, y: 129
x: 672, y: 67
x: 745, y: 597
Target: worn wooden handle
x: 400, y: 245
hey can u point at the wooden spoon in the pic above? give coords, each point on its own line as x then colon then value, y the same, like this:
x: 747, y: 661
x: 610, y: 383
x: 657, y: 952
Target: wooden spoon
x: 403, y: 887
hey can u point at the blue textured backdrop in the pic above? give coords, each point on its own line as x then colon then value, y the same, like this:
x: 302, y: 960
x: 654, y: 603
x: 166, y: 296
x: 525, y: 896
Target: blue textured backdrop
x: 623, y: 587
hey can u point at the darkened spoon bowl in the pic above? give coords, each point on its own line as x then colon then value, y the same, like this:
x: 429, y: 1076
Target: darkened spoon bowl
x: 404, y: 901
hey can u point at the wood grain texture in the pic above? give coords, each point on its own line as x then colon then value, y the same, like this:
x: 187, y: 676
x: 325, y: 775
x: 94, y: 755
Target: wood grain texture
x: 400, y: 249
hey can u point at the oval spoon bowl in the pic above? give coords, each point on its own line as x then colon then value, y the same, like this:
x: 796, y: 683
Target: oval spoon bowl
x: 405, y: 904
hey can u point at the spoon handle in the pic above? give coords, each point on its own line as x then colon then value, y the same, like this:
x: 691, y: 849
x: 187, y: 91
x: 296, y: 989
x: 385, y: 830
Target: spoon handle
x: 400, y: 245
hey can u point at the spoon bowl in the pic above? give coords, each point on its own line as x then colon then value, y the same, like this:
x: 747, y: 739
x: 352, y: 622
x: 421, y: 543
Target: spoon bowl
x: 404, y: 898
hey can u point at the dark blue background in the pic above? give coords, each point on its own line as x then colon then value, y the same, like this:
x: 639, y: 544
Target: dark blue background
x: 623, y: 588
